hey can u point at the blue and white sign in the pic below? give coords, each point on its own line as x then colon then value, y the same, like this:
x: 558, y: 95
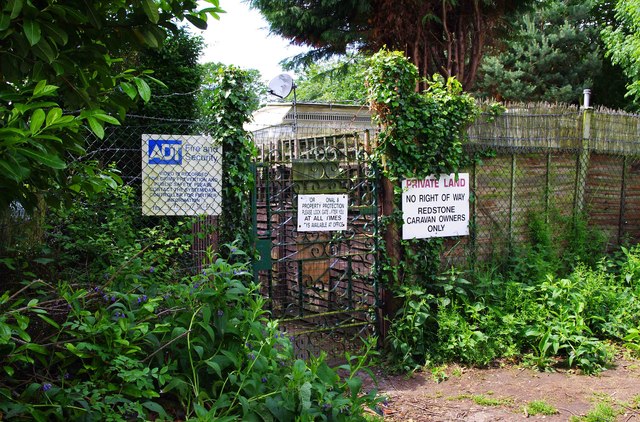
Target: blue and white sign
x: 181, y: 175
x: 165, y: 151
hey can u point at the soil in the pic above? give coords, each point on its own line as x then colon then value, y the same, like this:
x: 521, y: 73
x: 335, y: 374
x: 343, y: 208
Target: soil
x: 453, y: 392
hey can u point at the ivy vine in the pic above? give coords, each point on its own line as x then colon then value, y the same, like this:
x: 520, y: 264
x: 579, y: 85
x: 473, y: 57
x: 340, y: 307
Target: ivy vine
x: 422, y: 134
x: 226, y: 107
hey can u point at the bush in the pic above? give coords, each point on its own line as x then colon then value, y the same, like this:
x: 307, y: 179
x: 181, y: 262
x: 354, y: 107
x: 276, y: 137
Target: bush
x: 571, y: 319
x: 114, y: 329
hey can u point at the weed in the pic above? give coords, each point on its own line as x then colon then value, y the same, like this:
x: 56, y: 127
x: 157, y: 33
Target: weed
x: 601, y: 412
x: 439, y: 373
x: 483, y: 400
x: 539, y: 407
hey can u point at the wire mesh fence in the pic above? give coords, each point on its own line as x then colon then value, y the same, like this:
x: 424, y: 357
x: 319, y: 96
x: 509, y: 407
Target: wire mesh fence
x: 555, y: 164
x: 175, y: 172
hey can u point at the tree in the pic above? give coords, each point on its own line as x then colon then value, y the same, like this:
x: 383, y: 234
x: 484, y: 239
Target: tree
x: 58, y: 72
x: 553, y: 53
x: 445, y: 36
x: 175, y: 64
x: 622, y: 42
x: 334, y: 81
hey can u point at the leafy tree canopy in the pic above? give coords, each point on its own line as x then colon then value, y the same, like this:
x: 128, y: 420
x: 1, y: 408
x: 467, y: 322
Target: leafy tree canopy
x: 176, y: 65
x: 59, y: 71
x: 334, y: 81
x: 446, y: 37
x: 622, y: 42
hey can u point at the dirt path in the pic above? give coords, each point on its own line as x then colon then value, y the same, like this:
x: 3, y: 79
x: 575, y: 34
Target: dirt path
x: 502, y: 393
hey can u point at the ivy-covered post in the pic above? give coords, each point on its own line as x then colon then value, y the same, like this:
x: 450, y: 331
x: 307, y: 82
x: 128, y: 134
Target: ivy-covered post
x: 421, y: 135
x: 226, y: 108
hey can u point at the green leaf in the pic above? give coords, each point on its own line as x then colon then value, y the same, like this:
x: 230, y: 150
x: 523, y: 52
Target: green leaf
x: 106, y: 118
x: 196, y: 21
x: 45, y: 51
x: 5, y: 21
x: 55, y: 33
x: 355, y: 384
x: 151, y: 10
x: 155, y: 407
x: 96, y: 127
x: 49, y: 321
x: 36, y: 121
x: 53, y: 115
x: 129, y: 89
x: 42, y: 90
x: 305, y: 395
x: 44, y: 158
x: 14, y: 170
x: 32, y: 31
x: 16, y: 8
x: 150, y: 39
x: 143, y: 89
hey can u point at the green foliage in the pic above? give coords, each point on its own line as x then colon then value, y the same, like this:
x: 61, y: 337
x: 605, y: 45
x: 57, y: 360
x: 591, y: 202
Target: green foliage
x: 622, y: 43
x: 422, y: 133
x: 545, y: 322
x: 441, y: 37
x: 333, y: 81
x: 540, y: 407
x: 601, y: 412
x: 175, y: 64
x: 226, y: 107
x: 58, y: 75
x: 410, y: 338
x: 107, y: 329
x: 552, y: 55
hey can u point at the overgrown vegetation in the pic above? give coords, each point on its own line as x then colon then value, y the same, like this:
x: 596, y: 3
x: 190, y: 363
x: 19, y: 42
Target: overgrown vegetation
x: 554, y: 301
x: 537, y: 311
x: 102, y: 323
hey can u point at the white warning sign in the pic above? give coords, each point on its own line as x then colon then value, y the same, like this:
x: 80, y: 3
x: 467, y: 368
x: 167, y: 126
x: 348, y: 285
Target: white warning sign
x: 320, y: 213
x: 435, y: 207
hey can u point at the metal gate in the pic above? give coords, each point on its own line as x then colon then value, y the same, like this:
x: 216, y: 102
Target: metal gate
x: 321, y: 285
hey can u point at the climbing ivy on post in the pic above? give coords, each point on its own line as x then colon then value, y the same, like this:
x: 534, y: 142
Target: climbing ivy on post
x: 226, y: 106
x: 421, y: 134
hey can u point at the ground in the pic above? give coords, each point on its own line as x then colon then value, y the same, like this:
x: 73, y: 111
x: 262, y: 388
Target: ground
x: 503, y: 391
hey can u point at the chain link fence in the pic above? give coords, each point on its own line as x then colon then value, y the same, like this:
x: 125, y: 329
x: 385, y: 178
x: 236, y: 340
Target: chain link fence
x: 175, y: 175
x: 552, y: 164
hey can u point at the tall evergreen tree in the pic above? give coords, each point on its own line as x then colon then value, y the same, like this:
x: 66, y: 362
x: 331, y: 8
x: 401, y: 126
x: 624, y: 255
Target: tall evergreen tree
x: 553, y: 54
x: 440, y: 36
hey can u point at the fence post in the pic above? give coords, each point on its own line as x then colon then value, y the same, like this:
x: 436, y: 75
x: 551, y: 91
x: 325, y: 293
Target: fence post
x: 583, y: 156
x: 474, y: 209
x: 623, y: 194
x: 512, y: 194
x: 547, y: 189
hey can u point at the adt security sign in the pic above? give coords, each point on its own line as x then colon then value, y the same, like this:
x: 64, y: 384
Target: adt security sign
x: 435, y: 207
x: 181, y: 175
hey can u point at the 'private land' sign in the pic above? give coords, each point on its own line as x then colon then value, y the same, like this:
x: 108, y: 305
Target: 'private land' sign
x: 435, y: 207
x: 181, y: 175
x: 321, y: 213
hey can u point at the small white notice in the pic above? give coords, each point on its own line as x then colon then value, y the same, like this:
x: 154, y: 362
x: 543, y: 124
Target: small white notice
x: 322, y: 213
x: 435, y: 207
x: 181, y: 175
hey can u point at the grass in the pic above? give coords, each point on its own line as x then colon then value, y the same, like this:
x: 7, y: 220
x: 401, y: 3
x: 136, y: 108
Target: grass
x: 483, y: 400
x: 602, y: 412
x: 539, y: 407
